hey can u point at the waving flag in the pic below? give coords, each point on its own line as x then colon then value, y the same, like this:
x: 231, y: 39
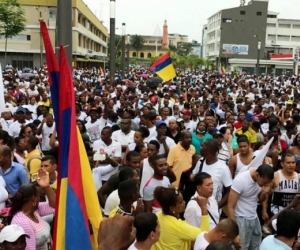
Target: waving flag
x: 78, y: 213
x: 164, y: 67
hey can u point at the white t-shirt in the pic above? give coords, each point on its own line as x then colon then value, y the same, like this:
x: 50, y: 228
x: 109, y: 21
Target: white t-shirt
x: 190, y: 126
x: 132, y: 247
x: 113, y: 150
x: 46, y: 132
x: 123, y: 139
x: 248, y: 190
x: 148, y: 192
x: 98, y: 172
x: 15, y: 128
x: 193, y: 212
x: 170, y: 143
x: 3, y: 192
x: 220, y: 174
x: 201, y: 243
x: 94, y: 129
x: 112, y: 201
x: 147, y: 173
x: 152, y: 134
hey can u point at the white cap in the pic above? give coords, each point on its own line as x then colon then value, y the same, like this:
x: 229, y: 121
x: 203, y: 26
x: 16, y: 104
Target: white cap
x: 11, y: 233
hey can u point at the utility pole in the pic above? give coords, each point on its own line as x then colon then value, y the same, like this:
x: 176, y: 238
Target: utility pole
x: 123, y: 50
x: 64, y: 26
x: 112, y: 59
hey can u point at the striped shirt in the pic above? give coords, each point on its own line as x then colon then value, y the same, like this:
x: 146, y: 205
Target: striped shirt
x: 39, y: 233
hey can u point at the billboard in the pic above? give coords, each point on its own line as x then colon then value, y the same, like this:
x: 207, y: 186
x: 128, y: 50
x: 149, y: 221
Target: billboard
x: 235, y: 49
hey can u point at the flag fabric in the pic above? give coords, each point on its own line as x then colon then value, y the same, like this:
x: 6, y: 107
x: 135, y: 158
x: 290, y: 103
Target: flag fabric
x: 223, y: 70
x: 259, y: 157
x: 53, y: 70
x: 164, y: 68
x: 2, y: 100
x: 78, y: 213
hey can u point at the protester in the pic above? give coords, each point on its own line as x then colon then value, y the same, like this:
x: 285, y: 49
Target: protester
x: 13, y: 237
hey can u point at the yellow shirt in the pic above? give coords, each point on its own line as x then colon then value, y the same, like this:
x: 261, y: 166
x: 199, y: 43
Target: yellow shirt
x: 180, y: 159
x: 176, y: 234
x: 119, y: 210
x: 35, y: 164
x: 250, y: 133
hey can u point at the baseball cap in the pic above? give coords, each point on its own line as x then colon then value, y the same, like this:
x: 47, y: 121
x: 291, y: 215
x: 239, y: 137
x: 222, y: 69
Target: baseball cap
x: 290, y: 102
x: 187, y: 112
x: 11, y: 233
x: 21, y: 109
x: 160, y: 123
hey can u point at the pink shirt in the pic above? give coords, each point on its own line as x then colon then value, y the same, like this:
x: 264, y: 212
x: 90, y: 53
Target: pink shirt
x: 39, y: 232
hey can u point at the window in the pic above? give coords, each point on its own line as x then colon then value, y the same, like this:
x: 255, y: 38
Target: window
x: 242, y: 12
x: 295, y: 38
x: 259, y: 13
x: 283, y: 38
x: 141, y: 55
x: 227, y: 20
x: 149, y: 55
x: 271, y: 16
x: 296, y: 26
x: 284, y: 26
x: 134, y: 54
x: 271, y: 25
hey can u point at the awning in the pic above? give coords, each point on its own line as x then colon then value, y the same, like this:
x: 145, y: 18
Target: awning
x: 87, y: 60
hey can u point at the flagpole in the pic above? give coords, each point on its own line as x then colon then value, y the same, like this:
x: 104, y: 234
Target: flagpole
x: 64, y: 26
x: 112, y: 49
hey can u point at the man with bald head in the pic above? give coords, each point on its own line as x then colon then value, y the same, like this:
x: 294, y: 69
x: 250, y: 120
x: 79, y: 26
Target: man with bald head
x: 180, y: 156
x: 13, y: 173
x: 226, y: 230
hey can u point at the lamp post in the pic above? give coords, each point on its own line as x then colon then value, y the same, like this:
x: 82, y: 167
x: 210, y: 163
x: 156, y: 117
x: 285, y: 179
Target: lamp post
x: 112, y: 50
x: 128, y: 52
x: 123, y: 50
x: 258, y: 54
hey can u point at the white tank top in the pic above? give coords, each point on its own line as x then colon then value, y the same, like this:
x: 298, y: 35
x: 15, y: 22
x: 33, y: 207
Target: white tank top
x: 284, y: 194
x: 239, y: 164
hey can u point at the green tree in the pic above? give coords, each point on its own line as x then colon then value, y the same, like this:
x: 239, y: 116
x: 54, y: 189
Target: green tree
x: 184, y: 49
x: 137, y: 42
x: 12, y: 20
x: 172, y: 48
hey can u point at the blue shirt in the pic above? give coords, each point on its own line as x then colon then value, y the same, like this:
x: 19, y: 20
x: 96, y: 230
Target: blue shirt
x: 14, y: 177
x: 271, y: 242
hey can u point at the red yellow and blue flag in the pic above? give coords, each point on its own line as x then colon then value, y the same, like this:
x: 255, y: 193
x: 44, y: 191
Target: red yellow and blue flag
x: 164, y: 68
x: 78, y: 213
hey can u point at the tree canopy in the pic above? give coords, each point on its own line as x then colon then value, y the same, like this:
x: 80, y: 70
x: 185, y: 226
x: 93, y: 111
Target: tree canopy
x: 12, y: 20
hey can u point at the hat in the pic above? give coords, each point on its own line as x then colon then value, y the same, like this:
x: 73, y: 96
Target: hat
x: 289, y: 102
x: 179, y: 120
x: 160, y: 123
x: 186, y: 112
x: 11, y: 233
x: 5, y: 110
x: 21, y: 109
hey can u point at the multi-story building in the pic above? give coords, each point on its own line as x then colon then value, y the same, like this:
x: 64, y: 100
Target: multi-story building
x: 157, y: 45
x: 89, y: 36
x: 232, y: 37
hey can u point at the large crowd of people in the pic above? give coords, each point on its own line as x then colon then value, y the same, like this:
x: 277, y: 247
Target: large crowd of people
x: 172, y: 161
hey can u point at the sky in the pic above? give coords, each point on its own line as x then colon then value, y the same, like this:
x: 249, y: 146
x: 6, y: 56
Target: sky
x: 185, y: 17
